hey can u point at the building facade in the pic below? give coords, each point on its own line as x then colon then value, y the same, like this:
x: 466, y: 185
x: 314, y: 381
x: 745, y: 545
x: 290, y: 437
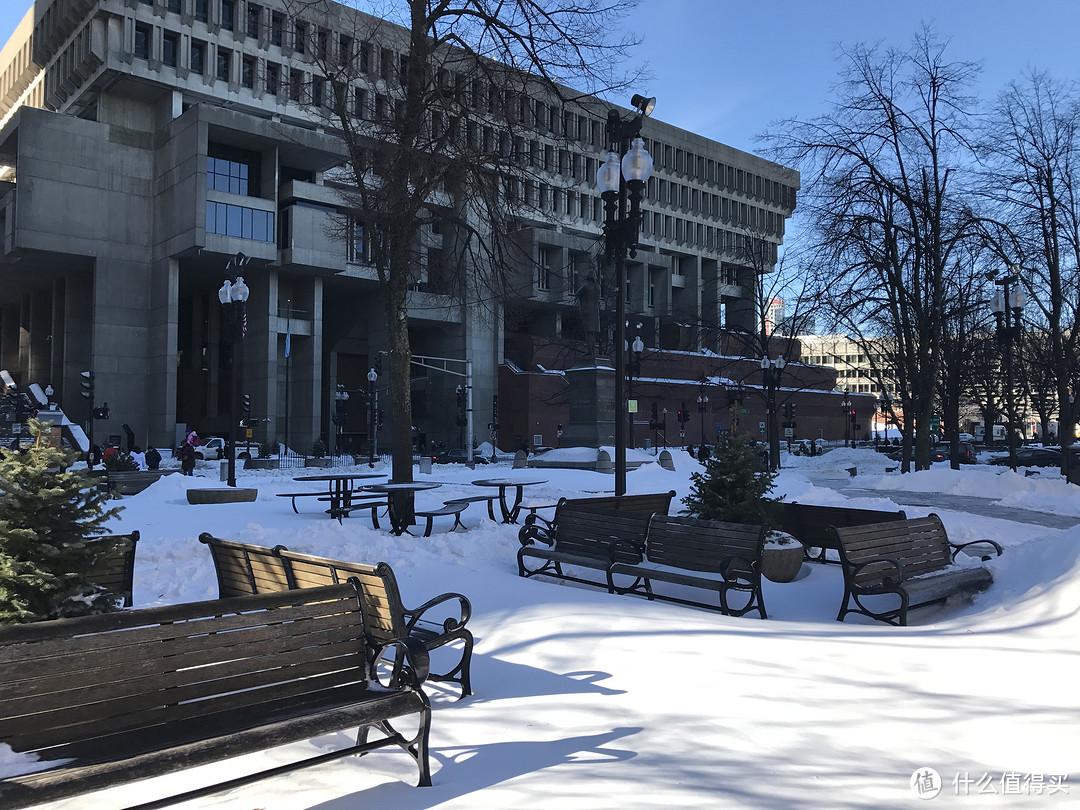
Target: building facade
x: 144, y: 143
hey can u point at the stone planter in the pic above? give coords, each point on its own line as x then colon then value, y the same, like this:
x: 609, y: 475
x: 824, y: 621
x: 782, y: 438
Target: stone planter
x: 781, y: 562
x: 222, y: 495
x: 318, y: 462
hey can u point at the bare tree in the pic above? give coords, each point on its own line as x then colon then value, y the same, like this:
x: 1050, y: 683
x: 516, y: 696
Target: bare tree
x: 1032, y: 144
x: 881, y: 176
x: 432, y: 105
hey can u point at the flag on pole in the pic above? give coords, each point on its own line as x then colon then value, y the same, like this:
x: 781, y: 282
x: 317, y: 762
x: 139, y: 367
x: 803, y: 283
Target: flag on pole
x: 288, y: 337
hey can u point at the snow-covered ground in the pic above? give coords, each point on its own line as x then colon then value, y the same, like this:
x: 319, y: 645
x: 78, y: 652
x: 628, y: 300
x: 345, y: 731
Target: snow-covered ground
x: 584, y: 699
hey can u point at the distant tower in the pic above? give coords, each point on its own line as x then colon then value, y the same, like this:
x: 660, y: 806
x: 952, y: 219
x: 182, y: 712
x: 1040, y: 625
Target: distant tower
x: 774, y: 315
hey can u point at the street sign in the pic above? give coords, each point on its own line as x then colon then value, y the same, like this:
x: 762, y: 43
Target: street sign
x: 761, y: 427
x: 789, y: 432
x: 631, y: 405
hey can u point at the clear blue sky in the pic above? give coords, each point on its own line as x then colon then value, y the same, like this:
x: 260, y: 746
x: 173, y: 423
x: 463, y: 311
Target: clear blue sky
x: 726, y: 69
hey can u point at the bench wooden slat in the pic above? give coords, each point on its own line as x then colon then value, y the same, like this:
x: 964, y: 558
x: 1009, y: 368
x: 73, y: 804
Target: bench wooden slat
x: 810, y: 523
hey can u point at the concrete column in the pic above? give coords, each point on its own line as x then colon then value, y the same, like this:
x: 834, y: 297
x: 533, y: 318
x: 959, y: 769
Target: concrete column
x: 10, y: 317
x: 161, y: 360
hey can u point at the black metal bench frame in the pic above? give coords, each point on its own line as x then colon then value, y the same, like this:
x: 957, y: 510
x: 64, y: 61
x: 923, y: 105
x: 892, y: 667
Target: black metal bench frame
x: 810, y: 523
x: 724, y: 558
x: 140, y: 693
x: 907, y: 561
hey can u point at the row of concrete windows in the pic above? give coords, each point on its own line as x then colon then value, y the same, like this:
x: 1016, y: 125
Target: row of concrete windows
x: 239, y: 221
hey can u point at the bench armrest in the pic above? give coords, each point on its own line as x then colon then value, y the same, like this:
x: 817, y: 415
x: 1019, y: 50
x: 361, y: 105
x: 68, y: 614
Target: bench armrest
x: 886, y: 579
x: 733, y: 564
x: 536, y: 530
x: 958, y: 547
x: 408, y: 660
x: 415, y: 615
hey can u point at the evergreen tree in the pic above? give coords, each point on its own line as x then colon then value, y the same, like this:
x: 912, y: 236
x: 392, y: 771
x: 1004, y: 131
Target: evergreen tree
x: 735, y: 485
x: 47, y: 512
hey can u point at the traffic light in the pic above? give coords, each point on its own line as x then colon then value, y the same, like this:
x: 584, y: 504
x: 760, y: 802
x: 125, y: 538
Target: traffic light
x: 655, y: 413
x: 787, y: 410
x: 683, y: 414
x: 793, y: 410
x: 461, y: 397
x: 379, y: 417
x: 495, y: 411
x: 378, y: 364
x: 245, y: 403
x: 678, y: 417
x: 87, y: 384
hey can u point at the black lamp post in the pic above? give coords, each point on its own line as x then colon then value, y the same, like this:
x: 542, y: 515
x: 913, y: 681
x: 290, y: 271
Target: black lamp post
x: 233, y: 296
x: 633, y: 369
x: 845, y: 404
x: 771, y: 371
x: 702, y: 404
x: 621, y: 180
x: 1007, y: 305
x: 372, y: 376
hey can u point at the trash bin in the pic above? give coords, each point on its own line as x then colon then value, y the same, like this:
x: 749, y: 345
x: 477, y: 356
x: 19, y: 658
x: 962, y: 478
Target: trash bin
x: 425, y: 464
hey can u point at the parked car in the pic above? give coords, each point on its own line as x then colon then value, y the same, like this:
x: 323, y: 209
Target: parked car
x: 966, y: 452
x: 1032, y: 457
x: 457, y: 456
x: 214, y: 448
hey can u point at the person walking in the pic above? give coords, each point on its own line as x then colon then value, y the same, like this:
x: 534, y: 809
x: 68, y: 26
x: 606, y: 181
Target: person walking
x: 153, y: 458
x: 187, y: 458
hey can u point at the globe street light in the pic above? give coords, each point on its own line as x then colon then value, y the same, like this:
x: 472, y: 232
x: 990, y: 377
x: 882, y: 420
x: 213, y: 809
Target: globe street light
x: 771, y: 371
x: 233, y: 297
x: 702, y: 404
x: 621, y: 181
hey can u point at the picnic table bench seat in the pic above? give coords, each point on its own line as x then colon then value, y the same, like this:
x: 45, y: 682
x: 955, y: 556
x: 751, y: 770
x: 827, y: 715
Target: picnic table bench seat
x: 909, y: 563
x: 488, y: 499
x: 119, y: 697
x: 440, y: 621
x: 809, y: 524
x: 724, y: 558
x: 455, y: 508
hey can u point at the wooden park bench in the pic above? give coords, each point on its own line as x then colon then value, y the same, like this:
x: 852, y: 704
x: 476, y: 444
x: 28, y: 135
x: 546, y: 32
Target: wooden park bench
x: 132, y: 482
x: 809, y: 524
x: 243, y: 568
x: 909, y: 563
x: 114, y: 564
x: 580, y: 537
x: 724, y: 558
x: 119, y: 697
x: 647, y: 503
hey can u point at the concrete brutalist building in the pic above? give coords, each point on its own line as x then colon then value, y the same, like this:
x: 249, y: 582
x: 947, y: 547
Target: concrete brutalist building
x: 145, y: 142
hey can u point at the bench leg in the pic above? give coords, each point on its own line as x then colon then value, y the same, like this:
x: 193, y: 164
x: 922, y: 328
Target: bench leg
x: 427, y: 528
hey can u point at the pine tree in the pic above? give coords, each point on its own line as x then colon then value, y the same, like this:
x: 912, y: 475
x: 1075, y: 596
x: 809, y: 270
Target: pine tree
x: 47, y: 512
x: 735, y: 485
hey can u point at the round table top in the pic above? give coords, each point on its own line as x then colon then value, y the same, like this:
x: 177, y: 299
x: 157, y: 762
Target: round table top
x: 338, y: 476
x: 403, y: 486
x: 509, y: 482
